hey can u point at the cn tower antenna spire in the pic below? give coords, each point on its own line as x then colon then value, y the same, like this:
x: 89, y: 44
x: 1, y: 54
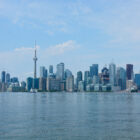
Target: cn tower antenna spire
x: 35, y: 62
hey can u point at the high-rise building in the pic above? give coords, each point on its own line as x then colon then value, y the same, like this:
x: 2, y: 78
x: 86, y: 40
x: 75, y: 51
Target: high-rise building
x: 60, y: 71
x: 36, y: 83
x: 79, y: 78
x: 42, y: 84
x: 51, y: 69
x: 7, y: 78
x: 94, y: 70
x: 68, y: 73
x: 95, y: 79
x: 112, y: 74
x: 43, y: 72
x: 81, y: 86
x: 137, y: 80
x: 70, y: 84
x: 86, y: 75
x: 3, y: 75
x: 29, y: 84
x: 105, y: 76
x: 53, y: 84
x: 121, y: 78
x: 129, y: 72
x: 46, y: 73
x: 23, y: 84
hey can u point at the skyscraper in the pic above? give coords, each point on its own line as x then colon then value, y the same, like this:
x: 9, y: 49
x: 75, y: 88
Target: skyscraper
x: 51, y: 69
x: 60, y: 71
x: 7, y: 78
x: 29, y: 84
x: 42, y: 84
x: 86, y: 75
x: 129, y: 72
x: 35, y: 63
x: 105, y: 76
x: 79, y: 78
x: 68, y: 73
x: 36, y: 83
x: 137, y: 80
x: 112, y: 74
x: 70, y: 84
x: 3, y: 74
x: 53, y: 84
x: 43, y: 72
x: 94, y: 70
x: 121, y: 78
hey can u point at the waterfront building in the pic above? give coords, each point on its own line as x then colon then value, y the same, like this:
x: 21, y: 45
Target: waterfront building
x: 129, y: 72
x: 60, y: 71
x: 105, y: 76
x: 81, y: 86
x: 50, y: 69
x: 23, y: 84
x: 112, y: 74
x: 86, y: 75
x: 29, y: 84
x: 42, y: 84
x: 95, y: 79
x: 137, y: 80
x: 97, y: 88
x: 0, y: 86
x: 15, y: 87
x: 4, y: 87
x: 3, y: 75
x: 121, y: 78
x: 7, y: 78
x: 94, y: 70
x: 70, y: 84
x: 129, y: 84
x: 53, y: 84
x: 79, y: 78
x: 63, y: 85
x: 36, y: 83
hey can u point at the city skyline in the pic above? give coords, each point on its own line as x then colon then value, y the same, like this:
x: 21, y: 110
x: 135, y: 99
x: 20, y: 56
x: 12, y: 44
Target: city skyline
x: 86, y: 32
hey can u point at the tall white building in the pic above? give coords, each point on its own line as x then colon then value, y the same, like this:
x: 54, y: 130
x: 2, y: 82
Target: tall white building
x: 112, y: 74
x: 60, y: 71
x: 70, y: 84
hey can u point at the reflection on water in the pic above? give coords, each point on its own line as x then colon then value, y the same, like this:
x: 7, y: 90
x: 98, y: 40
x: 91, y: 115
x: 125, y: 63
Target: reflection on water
x: 70, y: 116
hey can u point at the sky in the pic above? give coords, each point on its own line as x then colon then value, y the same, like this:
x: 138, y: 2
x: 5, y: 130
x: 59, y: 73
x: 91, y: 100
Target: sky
x: 77, y: 32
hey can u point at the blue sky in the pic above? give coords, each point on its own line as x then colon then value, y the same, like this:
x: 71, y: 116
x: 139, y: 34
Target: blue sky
x: 76, y: 32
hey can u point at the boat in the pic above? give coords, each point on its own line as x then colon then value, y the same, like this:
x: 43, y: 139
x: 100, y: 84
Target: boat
x: 134, y: 89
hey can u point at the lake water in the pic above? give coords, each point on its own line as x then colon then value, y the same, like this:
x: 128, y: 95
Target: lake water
x: 70, y: 116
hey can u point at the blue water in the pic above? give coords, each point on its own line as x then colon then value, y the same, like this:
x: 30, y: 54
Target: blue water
x: 69, y: 116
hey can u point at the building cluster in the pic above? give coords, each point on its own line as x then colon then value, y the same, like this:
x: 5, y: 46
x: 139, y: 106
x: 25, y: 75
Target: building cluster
x: 11, y: 84
x: 110, y: 78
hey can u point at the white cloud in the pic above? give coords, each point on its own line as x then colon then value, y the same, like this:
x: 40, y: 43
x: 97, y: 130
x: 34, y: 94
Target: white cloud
x: 24, y: 49
x: 62, y: 48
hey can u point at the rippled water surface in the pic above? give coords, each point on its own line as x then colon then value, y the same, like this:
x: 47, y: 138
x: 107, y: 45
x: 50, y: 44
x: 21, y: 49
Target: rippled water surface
x: 70, y: 116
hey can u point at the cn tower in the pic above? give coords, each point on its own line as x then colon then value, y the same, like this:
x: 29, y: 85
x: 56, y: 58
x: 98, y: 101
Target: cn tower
x: 35, y: 61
